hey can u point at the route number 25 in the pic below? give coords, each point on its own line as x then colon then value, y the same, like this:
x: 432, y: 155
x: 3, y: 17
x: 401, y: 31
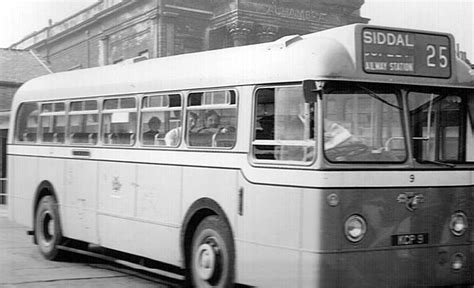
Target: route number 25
x: 437, y: 55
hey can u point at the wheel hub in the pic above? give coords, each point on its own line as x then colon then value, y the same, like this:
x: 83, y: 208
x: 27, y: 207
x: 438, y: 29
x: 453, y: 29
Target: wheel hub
x: 48, y: 228
x: 206, y: 261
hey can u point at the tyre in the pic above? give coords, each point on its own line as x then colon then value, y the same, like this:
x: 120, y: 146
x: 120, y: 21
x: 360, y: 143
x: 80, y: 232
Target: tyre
x: 212, y: 260
x: 47, y: 228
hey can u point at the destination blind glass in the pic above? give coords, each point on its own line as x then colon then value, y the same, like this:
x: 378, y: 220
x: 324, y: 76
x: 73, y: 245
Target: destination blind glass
x: 406, y: 53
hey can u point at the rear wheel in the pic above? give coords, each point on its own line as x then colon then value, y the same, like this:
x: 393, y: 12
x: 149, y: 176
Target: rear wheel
x: 212, y: 254
x: 47, y: 228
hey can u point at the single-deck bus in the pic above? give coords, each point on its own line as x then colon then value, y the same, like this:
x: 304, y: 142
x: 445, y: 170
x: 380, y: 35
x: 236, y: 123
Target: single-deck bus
x: 343, y: 158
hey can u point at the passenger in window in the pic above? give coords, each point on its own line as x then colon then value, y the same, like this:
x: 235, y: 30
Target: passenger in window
x: 267, y: 131
x: 173, y: 136
x: 153, y: 133
x: 212, y: 122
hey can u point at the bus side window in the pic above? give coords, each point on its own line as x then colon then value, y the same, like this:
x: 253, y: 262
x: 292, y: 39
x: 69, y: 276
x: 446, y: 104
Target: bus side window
x: 52, y: 122
x: 26, y: 125
x: 83, y: 122
x: 119, y: 121
x: 284, y: 125
x: 265, y: 124
x: 161, y: 120
x: 212, y: 119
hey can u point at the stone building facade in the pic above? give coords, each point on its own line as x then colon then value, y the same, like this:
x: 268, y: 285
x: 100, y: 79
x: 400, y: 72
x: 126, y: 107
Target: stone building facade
x: 112, y: 31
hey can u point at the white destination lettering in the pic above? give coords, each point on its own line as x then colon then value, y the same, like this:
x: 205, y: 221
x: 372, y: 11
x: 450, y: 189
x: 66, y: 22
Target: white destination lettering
x: 376, y: 66
x: 404, y: 67
x: 387, y: 38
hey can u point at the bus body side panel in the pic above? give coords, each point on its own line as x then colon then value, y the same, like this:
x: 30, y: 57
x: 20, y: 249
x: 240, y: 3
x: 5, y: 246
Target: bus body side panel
x: 268, y: 235
x: 219, y: 185
x: 80, y: 200
x: 22, y: 184
x: 139, y: 209
x: 53, y: 172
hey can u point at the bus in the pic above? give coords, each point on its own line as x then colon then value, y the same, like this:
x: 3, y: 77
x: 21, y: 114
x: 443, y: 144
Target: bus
x: 342, y: 158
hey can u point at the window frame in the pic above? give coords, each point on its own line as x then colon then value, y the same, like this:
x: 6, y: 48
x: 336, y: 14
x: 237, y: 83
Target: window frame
x: 167, y: 108
x: 71, y: 113
x: 279, y: 143
x: 50, y: 115
x: 17, y: 123
x: 373, y: 87
x: 443, y: 93
x: 104, y: 112
x: 203, y: 107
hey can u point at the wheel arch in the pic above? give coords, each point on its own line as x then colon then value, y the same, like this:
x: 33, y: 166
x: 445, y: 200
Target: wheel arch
x: 199, y: 210
x: 45, y: 188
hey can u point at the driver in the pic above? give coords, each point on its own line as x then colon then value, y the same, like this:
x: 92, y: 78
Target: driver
x: 334, y: 134
x: 340, y: 144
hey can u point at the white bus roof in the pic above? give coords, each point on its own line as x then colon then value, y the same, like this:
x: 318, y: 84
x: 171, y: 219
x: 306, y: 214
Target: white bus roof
x: 330, y: 54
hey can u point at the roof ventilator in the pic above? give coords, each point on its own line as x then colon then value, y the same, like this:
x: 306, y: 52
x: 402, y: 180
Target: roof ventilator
x: 284, y: 42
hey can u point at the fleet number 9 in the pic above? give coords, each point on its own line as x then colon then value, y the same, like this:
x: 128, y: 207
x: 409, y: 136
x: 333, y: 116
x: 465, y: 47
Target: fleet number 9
x: 439, y: 54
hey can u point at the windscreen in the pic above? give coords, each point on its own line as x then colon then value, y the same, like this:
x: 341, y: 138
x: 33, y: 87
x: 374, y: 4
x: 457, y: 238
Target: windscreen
x: 363, y: 124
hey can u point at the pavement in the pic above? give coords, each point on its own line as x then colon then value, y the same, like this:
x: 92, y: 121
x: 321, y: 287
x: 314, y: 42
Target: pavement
x: 22, y: 265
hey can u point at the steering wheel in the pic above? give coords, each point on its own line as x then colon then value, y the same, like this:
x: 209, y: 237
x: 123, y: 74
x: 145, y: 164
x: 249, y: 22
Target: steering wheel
x: 341, y: 152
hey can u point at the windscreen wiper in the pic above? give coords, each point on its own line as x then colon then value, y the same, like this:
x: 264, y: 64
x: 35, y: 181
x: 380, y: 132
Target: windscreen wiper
x: 439, y: 163
x: 374, y: 95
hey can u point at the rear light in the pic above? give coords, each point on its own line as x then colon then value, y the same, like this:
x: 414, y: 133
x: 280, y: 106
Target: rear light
x: 458, y: 223
x: 355, y: 228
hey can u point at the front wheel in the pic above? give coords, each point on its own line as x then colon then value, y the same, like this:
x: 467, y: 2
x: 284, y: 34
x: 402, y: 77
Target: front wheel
x: 47, y: 228
x: 212, y: 256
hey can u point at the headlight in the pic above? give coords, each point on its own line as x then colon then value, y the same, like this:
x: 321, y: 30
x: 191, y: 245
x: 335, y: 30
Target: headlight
x: 458, y: 224
x: 355, y: 228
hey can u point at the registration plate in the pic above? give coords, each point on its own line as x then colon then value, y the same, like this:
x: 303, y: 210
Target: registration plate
x: 409, y: 239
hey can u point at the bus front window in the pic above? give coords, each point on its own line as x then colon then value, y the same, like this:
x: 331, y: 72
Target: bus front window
x: 438, y: 121
x: 363, y: 124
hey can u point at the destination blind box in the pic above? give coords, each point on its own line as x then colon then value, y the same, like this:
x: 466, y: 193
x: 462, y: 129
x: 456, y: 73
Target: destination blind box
x: 398, y: 52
